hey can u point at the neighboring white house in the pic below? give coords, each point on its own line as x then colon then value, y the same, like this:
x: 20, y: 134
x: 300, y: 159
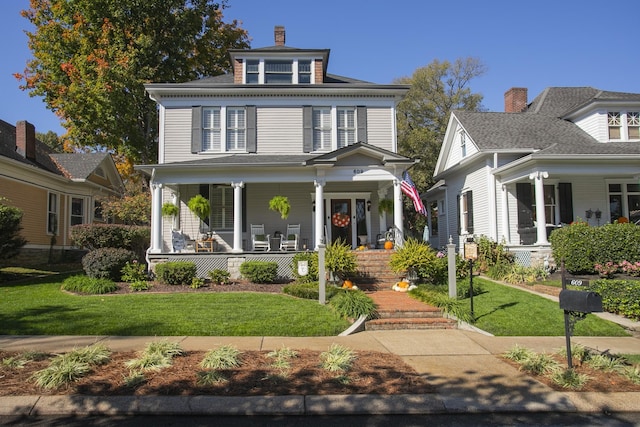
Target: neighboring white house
x: 278, y: 125
x: 573, y: 153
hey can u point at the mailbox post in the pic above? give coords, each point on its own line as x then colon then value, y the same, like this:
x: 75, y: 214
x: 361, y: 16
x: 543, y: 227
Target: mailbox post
x: 471, y: 254
x: 576, y: 304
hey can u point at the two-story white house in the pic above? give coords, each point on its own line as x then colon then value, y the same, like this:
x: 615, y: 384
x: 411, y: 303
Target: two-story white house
x: 573, y: 153
x: 278, y: 125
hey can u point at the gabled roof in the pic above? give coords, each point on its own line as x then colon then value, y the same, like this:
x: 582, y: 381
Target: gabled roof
x: 385, y: 156
x: 43, y: 158
x: 562, y: 101
x: 79, y: 165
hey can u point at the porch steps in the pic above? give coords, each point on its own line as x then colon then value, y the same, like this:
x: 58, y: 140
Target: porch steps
x: 374, y: 271
x: 397, y: 310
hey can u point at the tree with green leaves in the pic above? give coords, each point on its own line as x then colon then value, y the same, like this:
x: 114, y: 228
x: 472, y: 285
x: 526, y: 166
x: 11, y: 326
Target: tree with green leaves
x: 92, y: 58
x: 10, y: 239
x: 436, y: 90
x: 133, y: 208
x: 52, y: 140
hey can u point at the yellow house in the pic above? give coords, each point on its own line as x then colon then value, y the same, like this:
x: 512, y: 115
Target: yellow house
x: 54, y: 191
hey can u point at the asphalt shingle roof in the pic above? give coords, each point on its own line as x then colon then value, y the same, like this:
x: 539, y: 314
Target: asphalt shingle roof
x: 78, y: 165
x: 43, y: 159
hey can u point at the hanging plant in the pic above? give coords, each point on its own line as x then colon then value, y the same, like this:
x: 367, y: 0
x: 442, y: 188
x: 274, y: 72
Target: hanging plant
x: 385, y: 206
x: 199, y: 206
x: 281, y: 205
x: 169, y: 210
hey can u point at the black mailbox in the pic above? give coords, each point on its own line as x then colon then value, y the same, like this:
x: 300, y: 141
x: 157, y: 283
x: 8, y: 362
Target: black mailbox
x: 582, y: 301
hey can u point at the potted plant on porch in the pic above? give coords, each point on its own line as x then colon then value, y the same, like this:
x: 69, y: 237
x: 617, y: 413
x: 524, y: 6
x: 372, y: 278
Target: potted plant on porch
x: 169, y: 210
x: 200, y: 208
x: 281, y: 205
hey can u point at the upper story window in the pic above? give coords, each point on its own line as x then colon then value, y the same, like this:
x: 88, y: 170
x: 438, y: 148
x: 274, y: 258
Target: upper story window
x: 211, y: 131
x: 236, y: 129
x: 613, y: 119
x: 278, y: 71
x: 321, y: 128
x: 346, y: 126
x: 304, y: 71
x: 253, y: 71
x: 633, y: 125
x: 463, y: 144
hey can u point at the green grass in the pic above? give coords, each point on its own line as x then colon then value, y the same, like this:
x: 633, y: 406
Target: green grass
x: 40, y: 308
x: 505, y: 311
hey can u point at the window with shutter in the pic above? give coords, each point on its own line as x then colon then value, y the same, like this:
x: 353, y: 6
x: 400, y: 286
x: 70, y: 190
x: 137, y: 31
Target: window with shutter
x: 236, y: 129
x: 346, y: 127
x: 524, y: 194
x: 211, y: 129
x: 321, y: 129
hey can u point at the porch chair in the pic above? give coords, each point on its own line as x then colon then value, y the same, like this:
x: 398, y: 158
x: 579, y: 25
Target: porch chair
x: 180, y: 242
x: 259, y: 240
x: 289, y: 241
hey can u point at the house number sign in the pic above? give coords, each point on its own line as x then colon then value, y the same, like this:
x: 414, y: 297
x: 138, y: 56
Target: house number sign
x: 358, y: 171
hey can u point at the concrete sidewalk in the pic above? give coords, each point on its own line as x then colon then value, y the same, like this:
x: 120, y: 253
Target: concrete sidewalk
x: 462, y: 365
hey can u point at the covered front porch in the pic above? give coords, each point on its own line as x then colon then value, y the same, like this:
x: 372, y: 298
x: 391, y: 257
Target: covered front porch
x: 331, y: 196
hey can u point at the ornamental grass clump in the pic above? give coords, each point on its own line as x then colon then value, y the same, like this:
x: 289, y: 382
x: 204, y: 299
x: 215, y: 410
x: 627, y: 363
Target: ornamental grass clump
x: 352, y: 304
x: 224, y: 357
x: 72, y: 366
x: 88, y: 285
x: 337, y: 359
x: 569, y: 379
x: 156, y: 355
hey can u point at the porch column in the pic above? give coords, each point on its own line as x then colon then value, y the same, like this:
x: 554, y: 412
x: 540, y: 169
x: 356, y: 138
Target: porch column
x: 397, y: 213
x: 506, y: 234
x: 319, y: 213
x: 541, y: 220
x: 156, y: 218
x: 237, y: 216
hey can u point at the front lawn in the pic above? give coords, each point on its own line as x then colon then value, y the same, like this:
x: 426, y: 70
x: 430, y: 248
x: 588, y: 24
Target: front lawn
x: 41, y: 308
x: 505, y: 311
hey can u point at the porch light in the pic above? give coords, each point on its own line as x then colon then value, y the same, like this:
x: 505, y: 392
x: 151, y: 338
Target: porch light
x: 313, y: 205
x: 368, y: 205
x: 598, y: 214
x: 588, y: 214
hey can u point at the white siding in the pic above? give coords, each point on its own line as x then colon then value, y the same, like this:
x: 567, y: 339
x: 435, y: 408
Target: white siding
x: 595, y: 124
x: 380, y: 128
x: 279, y: 130
x: 177, y: 135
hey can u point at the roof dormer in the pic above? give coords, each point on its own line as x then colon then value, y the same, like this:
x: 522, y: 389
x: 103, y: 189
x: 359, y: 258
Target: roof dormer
x: 279, y: 64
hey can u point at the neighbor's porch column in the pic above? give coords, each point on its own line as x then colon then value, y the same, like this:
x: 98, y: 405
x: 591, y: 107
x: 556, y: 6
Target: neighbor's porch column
x: 541, y: 220
x: 156, y: 218
x: 397, y: 214
x: 319, y: 213
x: 506, y: 234
x: 237, y: 216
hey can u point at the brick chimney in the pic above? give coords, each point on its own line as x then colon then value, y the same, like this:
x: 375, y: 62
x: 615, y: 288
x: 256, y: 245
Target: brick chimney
x: 26, y: 140
x: 515, y: 100
x: 278, y: 34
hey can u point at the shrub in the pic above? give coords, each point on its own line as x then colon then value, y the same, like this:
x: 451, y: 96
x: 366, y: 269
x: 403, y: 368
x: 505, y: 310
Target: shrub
x: 134, y: 272
x: 107, y: 263
x: 353, y: 304
x: 340, y: 259
x: 176, y: 272
x: 309, y: 290
x: 619, y: 296
x: 10, y: 239
x: 312, y: 260
x: 491, y: 253
x: 420, y: 257
x: 96, y: 236
x: 88, y: 285
x: 259, y: 271
x: 140, y: 285
x: 220, y: 277
x: 573, y: 245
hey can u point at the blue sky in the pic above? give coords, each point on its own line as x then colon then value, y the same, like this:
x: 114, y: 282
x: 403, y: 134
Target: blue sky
x: 533, y: 44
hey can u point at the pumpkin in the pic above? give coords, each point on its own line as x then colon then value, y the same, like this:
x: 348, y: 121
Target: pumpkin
x: 388, y: 245
x: 347, y: 284
x: 403, y: 284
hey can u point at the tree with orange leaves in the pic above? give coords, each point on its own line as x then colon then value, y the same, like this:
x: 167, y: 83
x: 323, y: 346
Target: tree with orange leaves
x: 92, y: 58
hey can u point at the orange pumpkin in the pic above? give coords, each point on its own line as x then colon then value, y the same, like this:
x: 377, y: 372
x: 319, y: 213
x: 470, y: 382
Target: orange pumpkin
x: 403, y: 284
x: 388, y: 245
x: 348, y: 284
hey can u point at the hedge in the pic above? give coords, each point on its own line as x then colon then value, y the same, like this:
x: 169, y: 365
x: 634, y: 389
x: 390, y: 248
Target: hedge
x: 619, y: 296
x: 96, y: 236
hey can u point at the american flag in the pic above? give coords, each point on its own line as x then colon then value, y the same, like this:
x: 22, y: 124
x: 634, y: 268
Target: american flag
x: 409, y: 188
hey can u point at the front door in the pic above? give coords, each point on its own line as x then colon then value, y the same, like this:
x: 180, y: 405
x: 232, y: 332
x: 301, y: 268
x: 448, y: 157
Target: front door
x: 341, y: 220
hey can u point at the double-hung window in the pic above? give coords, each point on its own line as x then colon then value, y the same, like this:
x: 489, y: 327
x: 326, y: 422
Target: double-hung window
x: 278, y: 71
x: 77, y: 211
x: 253, y: 71
x: 52, y: 214
x: 236, y: 129
x: 466, y: 213
x: 211, y: 129
x: 346, y: 126
x: 304, y: 71
x: 321, y: 129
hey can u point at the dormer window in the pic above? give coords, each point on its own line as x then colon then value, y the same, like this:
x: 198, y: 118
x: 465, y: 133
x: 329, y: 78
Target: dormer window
x: 253, y: 71
x: 278, y: 71
x: 633, y: 125
x: 613, y: 119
